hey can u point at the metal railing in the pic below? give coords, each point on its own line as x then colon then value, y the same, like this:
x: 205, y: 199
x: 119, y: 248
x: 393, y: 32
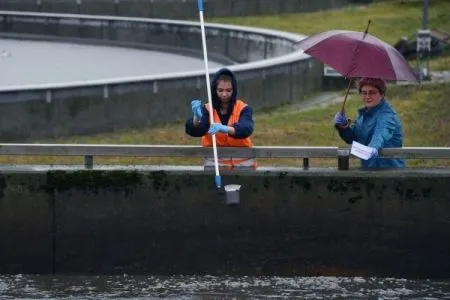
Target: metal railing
x: 88, y: 151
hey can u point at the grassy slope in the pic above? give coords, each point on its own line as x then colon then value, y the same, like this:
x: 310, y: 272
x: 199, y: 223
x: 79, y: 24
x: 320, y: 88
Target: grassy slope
x: 390, y: 21
x: 423, y: 109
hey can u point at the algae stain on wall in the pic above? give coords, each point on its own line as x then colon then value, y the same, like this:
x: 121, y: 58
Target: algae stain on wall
x: 92, y: 181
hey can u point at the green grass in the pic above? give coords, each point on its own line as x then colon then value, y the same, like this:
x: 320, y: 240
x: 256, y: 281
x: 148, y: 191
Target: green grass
x: 424, y: 110
x: 390, y: 21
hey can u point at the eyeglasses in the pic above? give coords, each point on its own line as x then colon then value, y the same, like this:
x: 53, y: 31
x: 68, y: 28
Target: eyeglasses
x: 369, y: 93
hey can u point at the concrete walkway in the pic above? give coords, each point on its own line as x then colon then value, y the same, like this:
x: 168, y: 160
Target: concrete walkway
x: 319, y: 100
x: 440, y: 76
x: 328, y: 98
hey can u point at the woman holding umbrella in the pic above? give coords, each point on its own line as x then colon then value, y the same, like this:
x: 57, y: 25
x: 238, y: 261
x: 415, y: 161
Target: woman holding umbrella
x: 377, y: 124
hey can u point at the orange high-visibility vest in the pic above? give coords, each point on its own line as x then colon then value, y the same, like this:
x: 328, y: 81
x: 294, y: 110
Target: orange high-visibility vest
x: 225, y: 140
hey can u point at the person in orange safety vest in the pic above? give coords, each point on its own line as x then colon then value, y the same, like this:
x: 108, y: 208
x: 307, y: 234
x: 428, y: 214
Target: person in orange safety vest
x: 233, y: 121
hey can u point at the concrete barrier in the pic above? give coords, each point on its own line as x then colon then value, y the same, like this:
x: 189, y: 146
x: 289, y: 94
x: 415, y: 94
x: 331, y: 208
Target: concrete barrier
x: 175, y: 9
x: 269, y: 69
x: 151, y: 220
x: 26, y: 224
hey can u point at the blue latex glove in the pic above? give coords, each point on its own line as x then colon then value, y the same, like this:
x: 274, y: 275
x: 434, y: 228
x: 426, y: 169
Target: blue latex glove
x: 340, y: 119
x: 217, y: 127
x: 373, y: 153
x: 196, y: 106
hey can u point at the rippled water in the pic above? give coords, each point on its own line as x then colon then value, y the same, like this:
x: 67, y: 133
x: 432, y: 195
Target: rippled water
x: 211, y: 287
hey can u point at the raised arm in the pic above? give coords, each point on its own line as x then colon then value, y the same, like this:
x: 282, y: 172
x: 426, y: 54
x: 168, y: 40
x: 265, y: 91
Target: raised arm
x: 198, y: 125
x: 345, y: 129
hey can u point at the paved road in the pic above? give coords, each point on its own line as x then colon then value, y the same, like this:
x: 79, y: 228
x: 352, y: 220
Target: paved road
x: 37, y: 62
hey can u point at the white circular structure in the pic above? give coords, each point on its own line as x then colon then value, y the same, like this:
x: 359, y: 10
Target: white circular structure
x: 269, y: 68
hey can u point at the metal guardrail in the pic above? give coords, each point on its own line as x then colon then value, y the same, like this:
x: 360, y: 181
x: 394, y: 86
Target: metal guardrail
x: 88, y: 151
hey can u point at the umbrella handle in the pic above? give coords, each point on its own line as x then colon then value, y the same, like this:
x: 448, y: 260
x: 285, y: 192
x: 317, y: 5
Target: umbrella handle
x: 350, y: 81
x: 346, y: 95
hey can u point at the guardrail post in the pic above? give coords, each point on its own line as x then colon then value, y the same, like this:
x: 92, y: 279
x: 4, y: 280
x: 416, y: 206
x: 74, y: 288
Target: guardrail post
x: 116, y: 7
x: 39, y: 5
x: 79, y: 6
x: 305, y: 163
x: 343, y: 159
x: 88, y: 161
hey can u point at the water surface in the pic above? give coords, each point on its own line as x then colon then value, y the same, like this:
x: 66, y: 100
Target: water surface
x: 213, y: 287
x: 25, y: 62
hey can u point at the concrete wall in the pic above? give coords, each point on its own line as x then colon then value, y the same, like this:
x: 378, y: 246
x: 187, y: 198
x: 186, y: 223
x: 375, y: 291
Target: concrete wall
x: 270, y: 72
x: 156, y: 221
x: 175, y: 9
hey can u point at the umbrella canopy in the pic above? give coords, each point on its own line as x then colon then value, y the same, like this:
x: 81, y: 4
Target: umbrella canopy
x: 358, y: 54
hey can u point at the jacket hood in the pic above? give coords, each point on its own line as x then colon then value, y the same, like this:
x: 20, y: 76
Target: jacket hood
x: 215, y: 99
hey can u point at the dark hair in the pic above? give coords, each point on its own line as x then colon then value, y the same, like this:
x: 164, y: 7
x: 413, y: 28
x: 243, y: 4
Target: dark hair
x: 378, y: 83
x: 225, y: 77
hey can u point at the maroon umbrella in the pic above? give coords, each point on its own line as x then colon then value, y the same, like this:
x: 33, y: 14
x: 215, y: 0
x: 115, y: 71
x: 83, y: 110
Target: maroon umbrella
x: 358, y: 54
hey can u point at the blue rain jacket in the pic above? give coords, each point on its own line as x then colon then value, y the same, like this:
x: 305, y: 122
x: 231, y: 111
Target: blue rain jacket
x: 378, y: 127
